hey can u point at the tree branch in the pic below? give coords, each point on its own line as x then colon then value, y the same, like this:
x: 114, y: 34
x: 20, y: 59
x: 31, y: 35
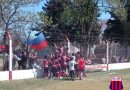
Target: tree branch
x: 14, y: 21
x: 15, y: 10
x: 67, y: 39
x: 2, y: 15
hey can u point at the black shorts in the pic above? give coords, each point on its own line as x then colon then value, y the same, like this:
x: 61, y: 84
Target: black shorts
x: 59, y: 69
x: 64, y: 68
x: 46, y: 70
x: 54, y: 71
x: 81, y: 70
x: 72, y: 73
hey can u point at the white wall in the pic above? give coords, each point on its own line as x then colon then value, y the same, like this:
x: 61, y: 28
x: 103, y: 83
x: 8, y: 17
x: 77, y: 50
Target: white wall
x: 21, y: 74
x: 96, y: 67
x: 4, y: 75
x: 114, y: 66
x: 119, y: 66
x: 33, y: 73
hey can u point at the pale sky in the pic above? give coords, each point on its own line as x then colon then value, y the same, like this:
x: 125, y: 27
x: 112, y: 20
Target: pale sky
x: 36, y: 8
x: 105, y: 16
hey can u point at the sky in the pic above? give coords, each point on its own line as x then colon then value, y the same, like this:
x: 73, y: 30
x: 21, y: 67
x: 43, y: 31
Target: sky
x: 105, y: 16
x: 36, y: 8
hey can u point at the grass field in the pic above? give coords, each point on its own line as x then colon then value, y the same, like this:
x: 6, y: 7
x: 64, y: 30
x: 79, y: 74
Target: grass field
x: 93, y: 81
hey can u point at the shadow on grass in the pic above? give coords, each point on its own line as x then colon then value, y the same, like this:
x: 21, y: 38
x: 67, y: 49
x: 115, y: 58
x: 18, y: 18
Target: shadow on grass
x: 66, y: 79
x: 92, y: 71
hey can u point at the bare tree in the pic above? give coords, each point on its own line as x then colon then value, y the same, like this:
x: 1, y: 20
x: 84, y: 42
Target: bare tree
x: 12, y: 13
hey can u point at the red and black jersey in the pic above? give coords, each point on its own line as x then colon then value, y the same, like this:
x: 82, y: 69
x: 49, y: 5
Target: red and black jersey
x: 81, y: 63
x: 46, y: 63
x: 54, y: 64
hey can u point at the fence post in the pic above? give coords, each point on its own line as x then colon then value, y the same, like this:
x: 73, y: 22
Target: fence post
x: 10, y: 59
x: 10, y: 54
x: 107, y: 55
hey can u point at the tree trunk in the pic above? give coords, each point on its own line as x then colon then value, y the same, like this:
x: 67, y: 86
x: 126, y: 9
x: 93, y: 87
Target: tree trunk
x: 27, y: 50
x: 27, y: 53
x: 83, y: 50
x: 111, y: 51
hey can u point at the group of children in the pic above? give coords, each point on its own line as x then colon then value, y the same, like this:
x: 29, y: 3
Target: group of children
x: 64, y: 65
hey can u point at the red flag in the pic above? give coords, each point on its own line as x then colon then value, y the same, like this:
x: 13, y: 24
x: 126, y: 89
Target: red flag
x: 39, y: 42
x: 2, y: 47
x: 40, y: 46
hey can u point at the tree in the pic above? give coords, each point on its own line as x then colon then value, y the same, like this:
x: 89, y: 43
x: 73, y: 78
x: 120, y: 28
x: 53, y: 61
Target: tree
x: 76, y: 19
x: 14, y: 18
x: 11, y: 12
x: 118, y: 28
x: 53, y: 9
x: 81, y: 16
x: 50, y: 17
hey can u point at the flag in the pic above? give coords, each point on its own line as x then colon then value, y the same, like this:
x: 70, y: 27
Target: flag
x: 5, y: 46
x: 39, y: 42
x: 2, y: 47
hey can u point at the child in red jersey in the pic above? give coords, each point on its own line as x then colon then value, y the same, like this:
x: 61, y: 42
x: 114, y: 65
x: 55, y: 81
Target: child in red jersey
x: 64, y: 64
x: 58, y: 69
x: 81, y: 66
x: 46, y: 67
x: 54, y: 67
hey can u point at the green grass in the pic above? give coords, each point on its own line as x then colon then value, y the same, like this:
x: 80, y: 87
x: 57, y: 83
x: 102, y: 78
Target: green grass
x: 93, y: 81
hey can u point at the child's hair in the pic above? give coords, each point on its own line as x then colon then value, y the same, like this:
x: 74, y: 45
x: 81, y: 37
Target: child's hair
x: 78, y: 52
x: 71, y: 58
x: 72, y: 54
x: 81, y: 56
x: 45, y: 56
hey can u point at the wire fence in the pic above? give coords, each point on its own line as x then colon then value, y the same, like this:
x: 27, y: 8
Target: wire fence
x: 94, y: 54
